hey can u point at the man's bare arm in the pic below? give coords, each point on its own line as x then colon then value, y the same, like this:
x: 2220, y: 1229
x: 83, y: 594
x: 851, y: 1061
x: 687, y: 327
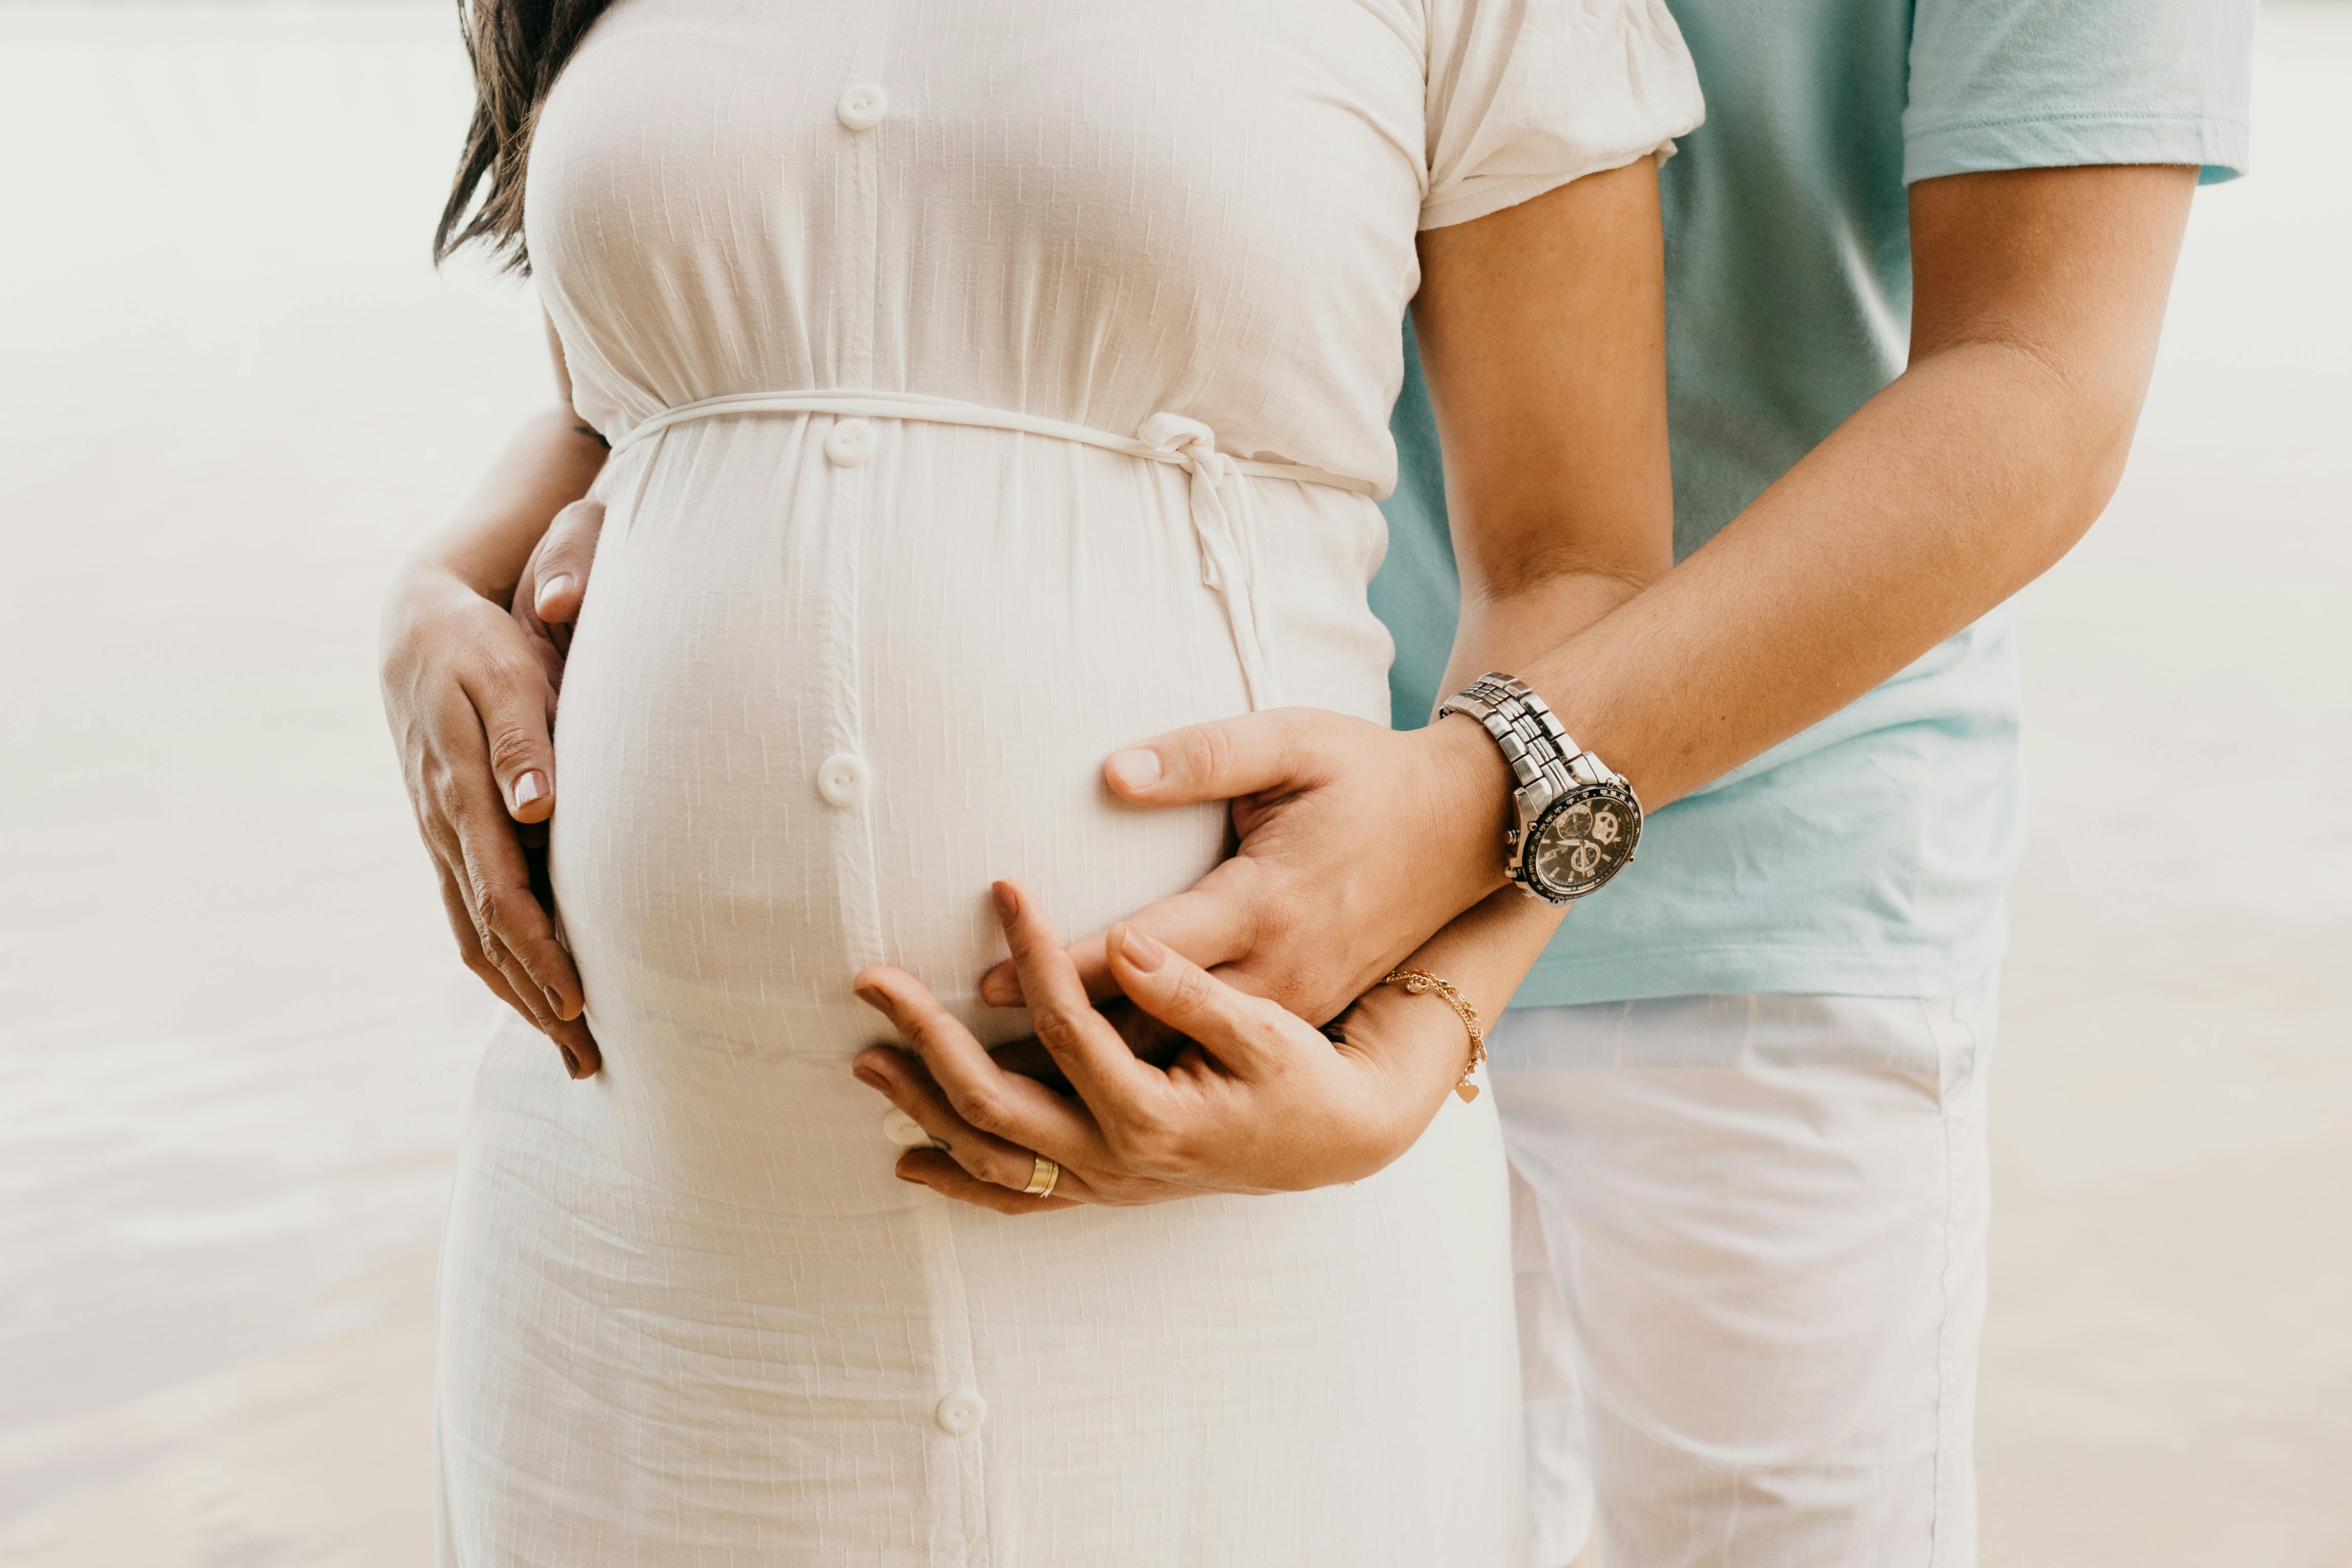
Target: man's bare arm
x: 2038, y: 299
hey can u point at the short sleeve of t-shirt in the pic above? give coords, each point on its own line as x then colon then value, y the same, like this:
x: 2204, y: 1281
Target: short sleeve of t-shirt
x: 2039, y: 84
x: 1526, y: 95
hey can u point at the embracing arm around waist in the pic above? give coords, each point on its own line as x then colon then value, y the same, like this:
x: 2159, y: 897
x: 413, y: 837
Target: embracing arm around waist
x: 2038, y: 297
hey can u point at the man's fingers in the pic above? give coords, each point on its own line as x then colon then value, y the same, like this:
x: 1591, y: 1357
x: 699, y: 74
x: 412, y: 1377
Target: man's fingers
x: 1241, y: 1031
x: 1217, y: 760
x: 559, y: 567
x: 929, y: 1168
x: 1210, y: 922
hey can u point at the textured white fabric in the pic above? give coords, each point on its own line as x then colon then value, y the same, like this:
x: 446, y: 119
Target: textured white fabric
x: 1751, y: 1256
x: 1227, y: 562
x: 837, y: 670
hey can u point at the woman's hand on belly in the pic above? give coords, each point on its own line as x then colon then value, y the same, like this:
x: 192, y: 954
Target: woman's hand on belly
x: 1255, y: 1101
x: 467, y: 695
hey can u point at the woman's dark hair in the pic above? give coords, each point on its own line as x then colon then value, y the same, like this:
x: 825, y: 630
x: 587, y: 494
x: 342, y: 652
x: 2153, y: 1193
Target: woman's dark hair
x: 518, y: 48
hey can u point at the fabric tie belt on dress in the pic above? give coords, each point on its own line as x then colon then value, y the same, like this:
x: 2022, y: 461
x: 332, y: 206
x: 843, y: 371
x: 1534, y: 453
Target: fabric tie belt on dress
x: 1228, y: 562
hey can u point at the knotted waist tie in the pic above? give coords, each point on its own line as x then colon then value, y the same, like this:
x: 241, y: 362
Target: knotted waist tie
x: 1228, y: 560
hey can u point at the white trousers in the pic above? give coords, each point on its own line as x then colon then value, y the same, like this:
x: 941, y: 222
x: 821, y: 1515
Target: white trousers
x: 1752, y: 1269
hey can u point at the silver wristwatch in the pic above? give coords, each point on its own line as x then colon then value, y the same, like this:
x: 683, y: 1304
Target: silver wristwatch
x: 1578, y: 822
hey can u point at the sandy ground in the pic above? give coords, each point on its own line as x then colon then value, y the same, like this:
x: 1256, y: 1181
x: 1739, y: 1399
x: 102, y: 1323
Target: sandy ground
x: 234, y: 1045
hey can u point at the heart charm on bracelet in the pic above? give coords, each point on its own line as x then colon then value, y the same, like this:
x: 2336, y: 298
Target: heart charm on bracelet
x: 1417, y: 981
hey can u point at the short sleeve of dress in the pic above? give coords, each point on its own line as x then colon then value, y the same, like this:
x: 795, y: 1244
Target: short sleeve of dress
x: 1526, y: 95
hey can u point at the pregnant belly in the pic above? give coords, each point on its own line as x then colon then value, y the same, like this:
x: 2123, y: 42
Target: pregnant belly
x: 811, y: 712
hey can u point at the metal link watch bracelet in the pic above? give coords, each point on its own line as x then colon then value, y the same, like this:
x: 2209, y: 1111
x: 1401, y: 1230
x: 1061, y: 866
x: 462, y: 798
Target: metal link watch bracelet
x: 1577, y: 822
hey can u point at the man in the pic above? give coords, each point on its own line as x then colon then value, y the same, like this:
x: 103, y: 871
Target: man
x: 1744, y: 1089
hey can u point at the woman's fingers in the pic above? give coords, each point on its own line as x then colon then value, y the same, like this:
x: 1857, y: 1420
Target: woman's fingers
x: 1089, y: 1052
x: 1019, y: 1110
x: 1247, y: 1035
x: 1030, y: 1059
x: 492, y: 964
x: 477, y: 958
x: 511, y: 701
x: 1211, y: 921
x: 507, y: 916
x: 557, y: 577
x: 477, y: 942
x: 463, y: 690
x: 495, y: 882
x: 982, y: 1155
x: 929, y: 1168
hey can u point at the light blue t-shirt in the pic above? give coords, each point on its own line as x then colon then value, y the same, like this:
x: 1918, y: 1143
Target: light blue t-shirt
x: 1868, y: 855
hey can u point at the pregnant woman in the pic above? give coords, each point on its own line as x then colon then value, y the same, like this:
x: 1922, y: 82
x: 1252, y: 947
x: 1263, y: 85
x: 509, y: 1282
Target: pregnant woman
x: 985, y: 386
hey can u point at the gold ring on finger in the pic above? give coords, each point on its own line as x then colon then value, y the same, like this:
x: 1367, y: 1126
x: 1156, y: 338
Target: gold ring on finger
x: 1042, y: 1178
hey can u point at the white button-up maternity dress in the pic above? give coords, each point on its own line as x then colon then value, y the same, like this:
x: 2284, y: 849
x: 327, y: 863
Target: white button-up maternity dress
x: 929, y: 334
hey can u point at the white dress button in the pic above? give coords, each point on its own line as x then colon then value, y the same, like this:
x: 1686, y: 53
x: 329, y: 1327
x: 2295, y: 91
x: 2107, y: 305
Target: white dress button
x: 905, y: 1130
x: 850, y: 443
x: 961, y: 1412
x: 841, y: 779
x: 863, y: 106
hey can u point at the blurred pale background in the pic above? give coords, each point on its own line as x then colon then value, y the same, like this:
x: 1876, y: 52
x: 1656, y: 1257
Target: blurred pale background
x: 235, y: 1042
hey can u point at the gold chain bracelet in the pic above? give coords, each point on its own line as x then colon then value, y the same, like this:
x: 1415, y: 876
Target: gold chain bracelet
x: 1415, y: 981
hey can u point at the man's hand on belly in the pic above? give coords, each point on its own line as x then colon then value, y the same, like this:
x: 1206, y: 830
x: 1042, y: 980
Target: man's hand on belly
x: 1253, y: 1099
x: 1358, y: 844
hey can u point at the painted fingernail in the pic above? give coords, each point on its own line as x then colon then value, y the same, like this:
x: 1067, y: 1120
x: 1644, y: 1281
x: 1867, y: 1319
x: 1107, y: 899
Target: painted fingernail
x: 1141, y: 951
x: 554, y: 1002
x: 870, y: 1078
x: 529, y: 787
x: 874, y: 996
x: 548, y: 590
x: 1138, y: 768
x: 1008, y: 902
x: 571, y: 1062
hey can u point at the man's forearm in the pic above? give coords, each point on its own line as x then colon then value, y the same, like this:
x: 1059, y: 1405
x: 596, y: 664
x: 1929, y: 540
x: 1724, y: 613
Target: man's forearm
x: 1961, y: 482
x: 548, y: 464
x: 1948, y: 492
x: 1940, y: 499
x: 1488, y: 949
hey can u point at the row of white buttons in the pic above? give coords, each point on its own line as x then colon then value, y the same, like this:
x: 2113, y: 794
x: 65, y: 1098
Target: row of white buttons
x: 963, y: 1410
x: 841, y: 778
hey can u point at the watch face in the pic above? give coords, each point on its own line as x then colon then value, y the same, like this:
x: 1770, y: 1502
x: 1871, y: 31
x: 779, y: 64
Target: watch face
x: 1584, y: 840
